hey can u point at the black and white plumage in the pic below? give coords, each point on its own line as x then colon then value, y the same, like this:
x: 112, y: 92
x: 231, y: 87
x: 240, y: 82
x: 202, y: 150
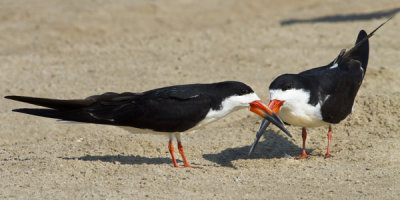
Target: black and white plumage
x: 169, y: 110
x: 320, y: 96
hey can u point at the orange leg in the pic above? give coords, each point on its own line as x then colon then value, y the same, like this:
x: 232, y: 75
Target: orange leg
x: 180, y: 147
x: 303, y: 153
x: 171, y: 150
x: 327, y: 155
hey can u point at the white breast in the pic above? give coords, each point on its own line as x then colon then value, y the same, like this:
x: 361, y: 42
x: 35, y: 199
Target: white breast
x: 296, y: 110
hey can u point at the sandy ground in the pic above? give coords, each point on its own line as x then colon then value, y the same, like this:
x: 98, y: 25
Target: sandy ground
x: 73, y: 49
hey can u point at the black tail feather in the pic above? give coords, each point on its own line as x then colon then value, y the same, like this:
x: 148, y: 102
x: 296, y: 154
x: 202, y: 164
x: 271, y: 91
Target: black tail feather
x: 50, y: 113
x: 53, y: 103
x: 361, y: 53
x: 67, y: 115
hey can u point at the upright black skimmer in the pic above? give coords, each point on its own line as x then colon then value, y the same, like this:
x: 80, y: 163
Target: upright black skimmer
x: 169, y: 110
x: 320, y: 96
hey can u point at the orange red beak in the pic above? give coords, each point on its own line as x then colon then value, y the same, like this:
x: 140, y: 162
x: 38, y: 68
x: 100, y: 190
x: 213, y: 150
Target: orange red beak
x: 273, y: 108
x: 275, y: 105
x: 262, y: 110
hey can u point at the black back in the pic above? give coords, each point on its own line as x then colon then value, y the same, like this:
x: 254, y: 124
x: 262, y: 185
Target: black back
x: 169, y: 109
x: 341, y: 83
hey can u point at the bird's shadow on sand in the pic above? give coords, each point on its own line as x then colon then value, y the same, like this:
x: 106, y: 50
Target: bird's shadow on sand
x: 273, y: 145
x: 344, y: 17
x: 129, y: 160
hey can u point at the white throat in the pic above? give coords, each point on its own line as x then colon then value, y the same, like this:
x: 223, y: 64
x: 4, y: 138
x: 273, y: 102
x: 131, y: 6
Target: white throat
x: 296, y: 110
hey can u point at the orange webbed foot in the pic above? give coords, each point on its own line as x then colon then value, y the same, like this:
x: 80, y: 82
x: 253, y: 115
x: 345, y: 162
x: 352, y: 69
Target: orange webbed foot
x: 303, y: 155
x: 328, y: 155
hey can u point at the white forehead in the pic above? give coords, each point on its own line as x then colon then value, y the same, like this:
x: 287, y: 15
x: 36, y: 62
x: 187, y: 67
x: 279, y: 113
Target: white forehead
x: 299, y: 94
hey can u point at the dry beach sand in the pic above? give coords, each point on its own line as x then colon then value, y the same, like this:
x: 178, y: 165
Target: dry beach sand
x: 73, y: 49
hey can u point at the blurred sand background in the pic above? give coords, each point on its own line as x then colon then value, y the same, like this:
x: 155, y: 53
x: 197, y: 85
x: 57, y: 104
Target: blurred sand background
x: 73, y: 49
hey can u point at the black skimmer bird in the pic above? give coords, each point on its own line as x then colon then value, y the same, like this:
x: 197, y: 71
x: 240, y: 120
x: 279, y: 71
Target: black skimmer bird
x: 320, y: 96
x: 169, y: 110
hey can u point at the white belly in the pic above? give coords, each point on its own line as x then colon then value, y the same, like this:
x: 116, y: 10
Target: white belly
x: 303, y: 115
x: 143, y: 131
x: 149, y: 131
x: 296, y: 110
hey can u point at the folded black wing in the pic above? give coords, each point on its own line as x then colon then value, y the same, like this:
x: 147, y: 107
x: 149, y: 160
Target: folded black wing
x: 342, y: 91
x: 155, y: 110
